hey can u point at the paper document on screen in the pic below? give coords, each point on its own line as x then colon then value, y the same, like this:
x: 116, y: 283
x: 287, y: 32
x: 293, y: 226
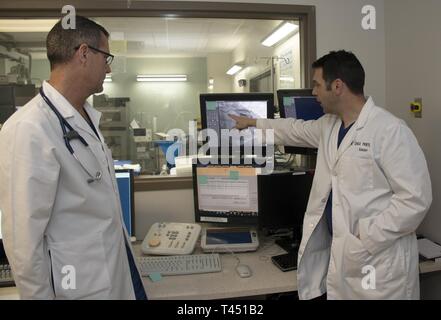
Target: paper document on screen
x: 223, y: 193
x: 428, y: 249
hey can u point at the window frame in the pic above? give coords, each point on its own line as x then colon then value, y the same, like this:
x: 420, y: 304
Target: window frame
x: 305, y: 14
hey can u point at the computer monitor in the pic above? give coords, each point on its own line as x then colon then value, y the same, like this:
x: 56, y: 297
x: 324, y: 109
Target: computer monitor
x: 225, y: 194
x: 299, y: 104
x: 216, y: 108
x: 283, y: 198
x: 125, y: 181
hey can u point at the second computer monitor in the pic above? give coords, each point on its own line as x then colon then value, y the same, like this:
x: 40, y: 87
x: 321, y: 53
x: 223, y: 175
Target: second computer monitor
x: 226, y: 195
x: 125, y: 181
x: 283, y: 199
x: 299, y: 104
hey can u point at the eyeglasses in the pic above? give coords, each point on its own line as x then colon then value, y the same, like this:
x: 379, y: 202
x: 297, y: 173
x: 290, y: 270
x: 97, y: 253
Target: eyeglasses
x: 109, y: 57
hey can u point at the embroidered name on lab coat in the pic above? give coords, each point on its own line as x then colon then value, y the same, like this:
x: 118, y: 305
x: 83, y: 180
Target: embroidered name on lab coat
x: 362, y: 146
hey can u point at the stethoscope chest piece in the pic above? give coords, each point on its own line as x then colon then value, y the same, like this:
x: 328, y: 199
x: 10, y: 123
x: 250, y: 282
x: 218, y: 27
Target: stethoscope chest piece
x: 98, y: 176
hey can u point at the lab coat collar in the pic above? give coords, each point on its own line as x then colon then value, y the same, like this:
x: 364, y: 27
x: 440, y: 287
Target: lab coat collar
x: 358, y: 125
x: 68, y: 111
x: 94, y: 116
x: 59, y: 101
x: 364, y: 114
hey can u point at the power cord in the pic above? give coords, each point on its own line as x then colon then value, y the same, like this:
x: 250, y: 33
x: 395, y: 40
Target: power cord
x: 230, y: 251
x: 270, y: 249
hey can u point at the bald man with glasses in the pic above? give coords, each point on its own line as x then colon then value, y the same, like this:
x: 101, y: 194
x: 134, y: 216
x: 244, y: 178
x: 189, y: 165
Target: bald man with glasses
x: 63, y: 232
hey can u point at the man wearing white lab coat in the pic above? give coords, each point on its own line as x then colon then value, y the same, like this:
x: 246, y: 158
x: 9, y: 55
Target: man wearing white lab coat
x: 371, y: 190
x: 62, y: 224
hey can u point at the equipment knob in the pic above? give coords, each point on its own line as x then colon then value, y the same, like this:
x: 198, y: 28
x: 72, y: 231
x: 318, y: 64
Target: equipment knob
x: 154, y: 242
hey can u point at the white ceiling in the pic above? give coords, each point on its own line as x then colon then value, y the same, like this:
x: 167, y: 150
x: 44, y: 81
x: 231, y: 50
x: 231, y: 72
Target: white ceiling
x: 162, y: 36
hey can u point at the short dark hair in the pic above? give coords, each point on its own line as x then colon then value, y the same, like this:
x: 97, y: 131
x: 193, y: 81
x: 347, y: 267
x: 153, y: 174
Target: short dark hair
x: 342, y: 65
x: 61, y: 43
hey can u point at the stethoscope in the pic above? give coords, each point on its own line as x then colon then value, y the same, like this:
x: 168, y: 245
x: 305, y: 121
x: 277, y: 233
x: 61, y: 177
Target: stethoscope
x: 71, y: 135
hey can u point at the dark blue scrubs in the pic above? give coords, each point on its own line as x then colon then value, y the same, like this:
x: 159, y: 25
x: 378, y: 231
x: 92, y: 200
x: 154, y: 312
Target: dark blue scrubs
x: 136, y: 278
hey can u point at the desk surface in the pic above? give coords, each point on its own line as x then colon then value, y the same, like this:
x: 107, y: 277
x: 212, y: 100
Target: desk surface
x: 266, y: 279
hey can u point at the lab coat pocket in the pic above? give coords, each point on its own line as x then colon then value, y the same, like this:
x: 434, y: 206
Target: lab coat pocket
x: 363, y: 270
x: 355, y: 257
x: 79, y: 269
x: 356, y: 173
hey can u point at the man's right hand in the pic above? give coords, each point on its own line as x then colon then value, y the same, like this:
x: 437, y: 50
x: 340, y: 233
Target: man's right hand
x: 243, y: 122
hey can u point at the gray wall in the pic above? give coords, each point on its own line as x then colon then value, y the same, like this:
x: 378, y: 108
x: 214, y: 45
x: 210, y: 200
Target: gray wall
x: 412, y: 70
x: 162, y: 206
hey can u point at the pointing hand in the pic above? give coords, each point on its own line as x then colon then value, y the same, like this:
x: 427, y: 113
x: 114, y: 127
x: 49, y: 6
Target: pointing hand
x: 243, y: 122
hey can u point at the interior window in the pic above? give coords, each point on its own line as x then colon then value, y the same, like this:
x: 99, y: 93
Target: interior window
x: 161, y: 67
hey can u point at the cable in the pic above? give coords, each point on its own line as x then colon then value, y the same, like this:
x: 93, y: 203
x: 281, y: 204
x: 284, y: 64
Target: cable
x: 230, y: 251
x: 270, y: 244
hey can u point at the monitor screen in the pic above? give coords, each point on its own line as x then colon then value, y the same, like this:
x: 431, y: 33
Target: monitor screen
x: 299, y: 104
x: 124, y: 179
x: 228, y: 236
x: 225, y: 194
x: 216, y: 108
x: 283, y: 198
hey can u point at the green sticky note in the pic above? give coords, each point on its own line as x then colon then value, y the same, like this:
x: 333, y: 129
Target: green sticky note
x: 155, y: 277
x: 234, y: 175
x: 203, y: 179
x: 211, y: 105
x: 287, y: 101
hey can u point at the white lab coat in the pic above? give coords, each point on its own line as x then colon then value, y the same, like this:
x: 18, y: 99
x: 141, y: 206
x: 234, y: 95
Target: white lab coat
x: 53, y: 219
x: 381, y: 191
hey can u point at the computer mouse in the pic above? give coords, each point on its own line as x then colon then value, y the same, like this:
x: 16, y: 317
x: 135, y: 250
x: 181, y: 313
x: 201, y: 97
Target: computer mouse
x: 243, y: 271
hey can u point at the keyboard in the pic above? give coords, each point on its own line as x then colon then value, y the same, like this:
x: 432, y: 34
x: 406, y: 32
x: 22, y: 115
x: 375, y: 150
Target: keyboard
x: 6, y: 278
x: 177, y: 265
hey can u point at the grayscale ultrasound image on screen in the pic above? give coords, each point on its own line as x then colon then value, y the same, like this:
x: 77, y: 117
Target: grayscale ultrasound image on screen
x: 249, y: 109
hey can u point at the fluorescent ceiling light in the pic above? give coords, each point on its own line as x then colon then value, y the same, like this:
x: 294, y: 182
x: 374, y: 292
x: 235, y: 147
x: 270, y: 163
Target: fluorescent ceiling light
x: 27, y: 25
x: 234, y: 69
x: 161, y: 77
x: 108, y: 78
x: 280, y: 33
